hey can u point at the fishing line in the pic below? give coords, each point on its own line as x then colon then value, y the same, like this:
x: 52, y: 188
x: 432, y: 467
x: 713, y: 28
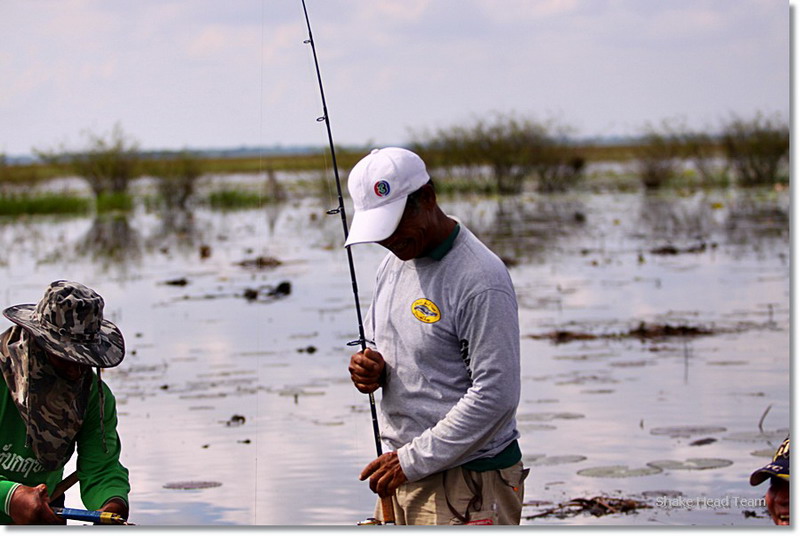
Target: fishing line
x: 260, y: 172
x: 386, y: 502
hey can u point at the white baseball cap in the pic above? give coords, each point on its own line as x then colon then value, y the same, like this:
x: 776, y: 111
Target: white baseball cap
x: 379, y: 185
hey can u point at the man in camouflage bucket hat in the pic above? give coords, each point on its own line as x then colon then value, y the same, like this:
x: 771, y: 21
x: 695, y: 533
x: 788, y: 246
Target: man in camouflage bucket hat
x: 51, y: 401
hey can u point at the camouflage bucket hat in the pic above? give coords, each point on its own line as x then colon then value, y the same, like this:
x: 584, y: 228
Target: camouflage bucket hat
x: 68, y: 322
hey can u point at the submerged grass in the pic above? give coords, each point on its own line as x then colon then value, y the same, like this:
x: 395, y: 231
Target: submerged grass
x: 43, y: 203
x: 229, y: 199
x: 108, y: 202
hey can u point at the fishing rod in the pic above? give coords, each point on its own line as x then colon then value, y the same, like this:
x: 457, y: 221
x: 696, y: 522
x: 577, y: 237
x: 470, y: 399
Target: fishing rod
x: 386, y: 502
x: 92, y: 516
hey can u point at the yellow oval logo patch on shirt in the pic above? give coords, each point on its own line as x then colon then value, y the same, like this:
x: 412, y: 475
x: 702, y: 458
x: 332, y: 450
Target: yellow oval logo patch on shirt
x: 426, y: 311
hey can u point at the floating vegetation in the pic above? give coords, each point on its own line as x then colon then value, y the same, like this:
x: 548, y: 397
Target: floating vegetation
x: 670, y: 493
x: 192, y: 484
x: 555, y: 460
x: 583, y: 380
x: 643, y: 331
x: 701, y: 442
x: 549, y: 416
x: 619, y: 471
x: 687, y: 431
x: 299, y: 392
x: 531, y: 427
x: 260, y: 263
x: 669, y: 249
x: 563, y: 336
x: 691, y: 464
x: 628, y: 364
x: 763, y: 453
x: 767, y: 435
x: 598, y: 391
x: 328, y: 423
x: 596, y: 506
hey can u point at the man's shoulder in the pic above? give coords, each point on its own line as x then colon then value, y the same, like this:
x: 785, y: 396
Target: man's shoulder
x: 471, y: 255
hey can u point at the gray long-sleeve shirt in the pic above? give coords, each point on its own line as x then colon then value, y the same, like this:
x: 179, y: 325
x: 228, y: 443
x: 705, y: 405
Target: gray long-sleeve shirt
x: 449, y: 333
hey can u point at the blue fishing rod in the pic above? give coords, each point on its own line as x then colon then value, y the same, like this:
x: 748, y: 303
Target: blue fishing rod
x: 92, y: 516
x: 386, y: 502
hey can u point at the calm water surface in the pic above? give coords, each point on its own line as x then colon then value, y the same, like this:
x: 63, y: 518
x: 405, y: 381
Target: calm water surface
x: 201, y: 353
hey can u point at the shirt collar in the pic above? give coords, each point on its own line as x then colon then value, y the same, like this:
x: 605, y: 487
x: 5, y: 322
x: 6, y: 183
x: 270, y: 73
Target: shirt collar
x: 442, y: 249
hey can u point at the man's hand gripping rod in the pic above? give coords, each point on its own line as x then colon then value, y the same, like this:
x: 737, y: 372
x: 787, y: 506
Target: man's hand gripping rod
x: 386, y: 502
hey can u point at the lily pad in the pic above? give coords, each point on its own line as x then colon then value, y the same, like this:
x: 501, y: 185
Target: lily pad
x: 549, y: 416
x: 557, y: 460
x: 767, y: 435
x: 687, y: 431
x: 618, y: 471
x: 623, y: 364
x: 691, y: 464
x: 763, y: 453
x: 598, y: 391
x: 192, y: 484
x: 654, y: 494
x: 299, y: 392
x: 531, y: 427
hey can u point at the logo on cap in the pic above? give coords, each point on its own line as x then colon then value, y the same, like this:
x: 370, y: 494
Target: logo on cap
x: 382, y: 188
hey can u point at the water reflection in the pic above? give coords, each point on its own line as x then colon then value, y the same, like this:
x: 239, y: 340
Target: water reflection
x: 177, y: 229
x: 111, y: 241
x: 524, y: 229
x: 193, y: 364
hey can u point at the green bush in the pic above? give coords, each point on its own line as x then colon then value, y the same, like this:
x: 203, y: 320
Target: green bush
x: 177, y: 177
x: 108, y: 165
x: 757, y: 149
x: 658, y: 156
x: 513, y: 149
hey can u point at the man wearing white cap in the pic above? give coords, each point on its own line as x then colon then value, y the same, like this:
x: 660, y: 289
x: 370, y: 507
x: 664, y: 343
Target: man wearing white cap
x: 446, y: 353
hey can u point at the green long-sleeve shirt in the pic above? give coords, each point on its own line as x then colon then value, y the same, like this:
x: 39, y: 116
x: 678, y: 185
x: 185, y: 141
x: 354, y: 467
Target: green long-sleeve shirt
x: 101, y: 474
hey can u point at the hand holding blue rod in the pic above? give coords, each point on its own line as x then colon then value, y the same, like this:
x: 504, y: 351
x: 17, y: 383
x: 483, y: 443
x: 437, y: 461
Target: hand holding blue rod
x: 92, y: 516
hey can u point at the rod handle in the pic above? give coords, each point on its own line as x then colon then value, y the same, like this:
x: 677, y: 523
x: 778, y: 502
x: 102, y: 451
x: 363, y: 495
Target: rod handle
x: 388, y: 510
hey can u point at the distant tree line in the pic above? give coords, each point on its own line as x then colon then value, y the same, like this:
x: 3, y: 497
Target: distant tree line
x: 500, y: 154
x: 509, y: 151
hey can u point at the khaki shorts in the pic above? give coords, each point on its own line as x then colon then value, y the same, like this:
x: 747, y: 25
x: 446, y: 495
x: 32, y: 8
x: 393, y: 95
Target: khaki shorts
x: 459, y: 496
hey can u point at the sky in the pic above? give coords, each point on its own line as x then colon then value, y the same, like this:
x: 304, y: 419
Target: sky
x: 199, y: 74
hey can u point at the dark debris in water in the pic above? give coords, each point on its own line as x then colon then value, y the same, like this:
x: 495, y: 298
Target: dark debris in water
x: 179, y: 282
x: 597, y: 506
x: 235, y: 420
x: 670, y: 249
x: 643, y: 331
x: 701, y: 442
x: 268, y: 292
x: 260, y: 263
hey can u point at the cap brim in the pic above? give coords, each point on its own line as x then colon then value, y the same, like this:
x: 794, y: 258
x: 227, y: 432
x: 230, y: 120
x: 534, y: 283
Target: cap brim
x: 106, y: 351
x: 769, y: 471
x: 375, y: 224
